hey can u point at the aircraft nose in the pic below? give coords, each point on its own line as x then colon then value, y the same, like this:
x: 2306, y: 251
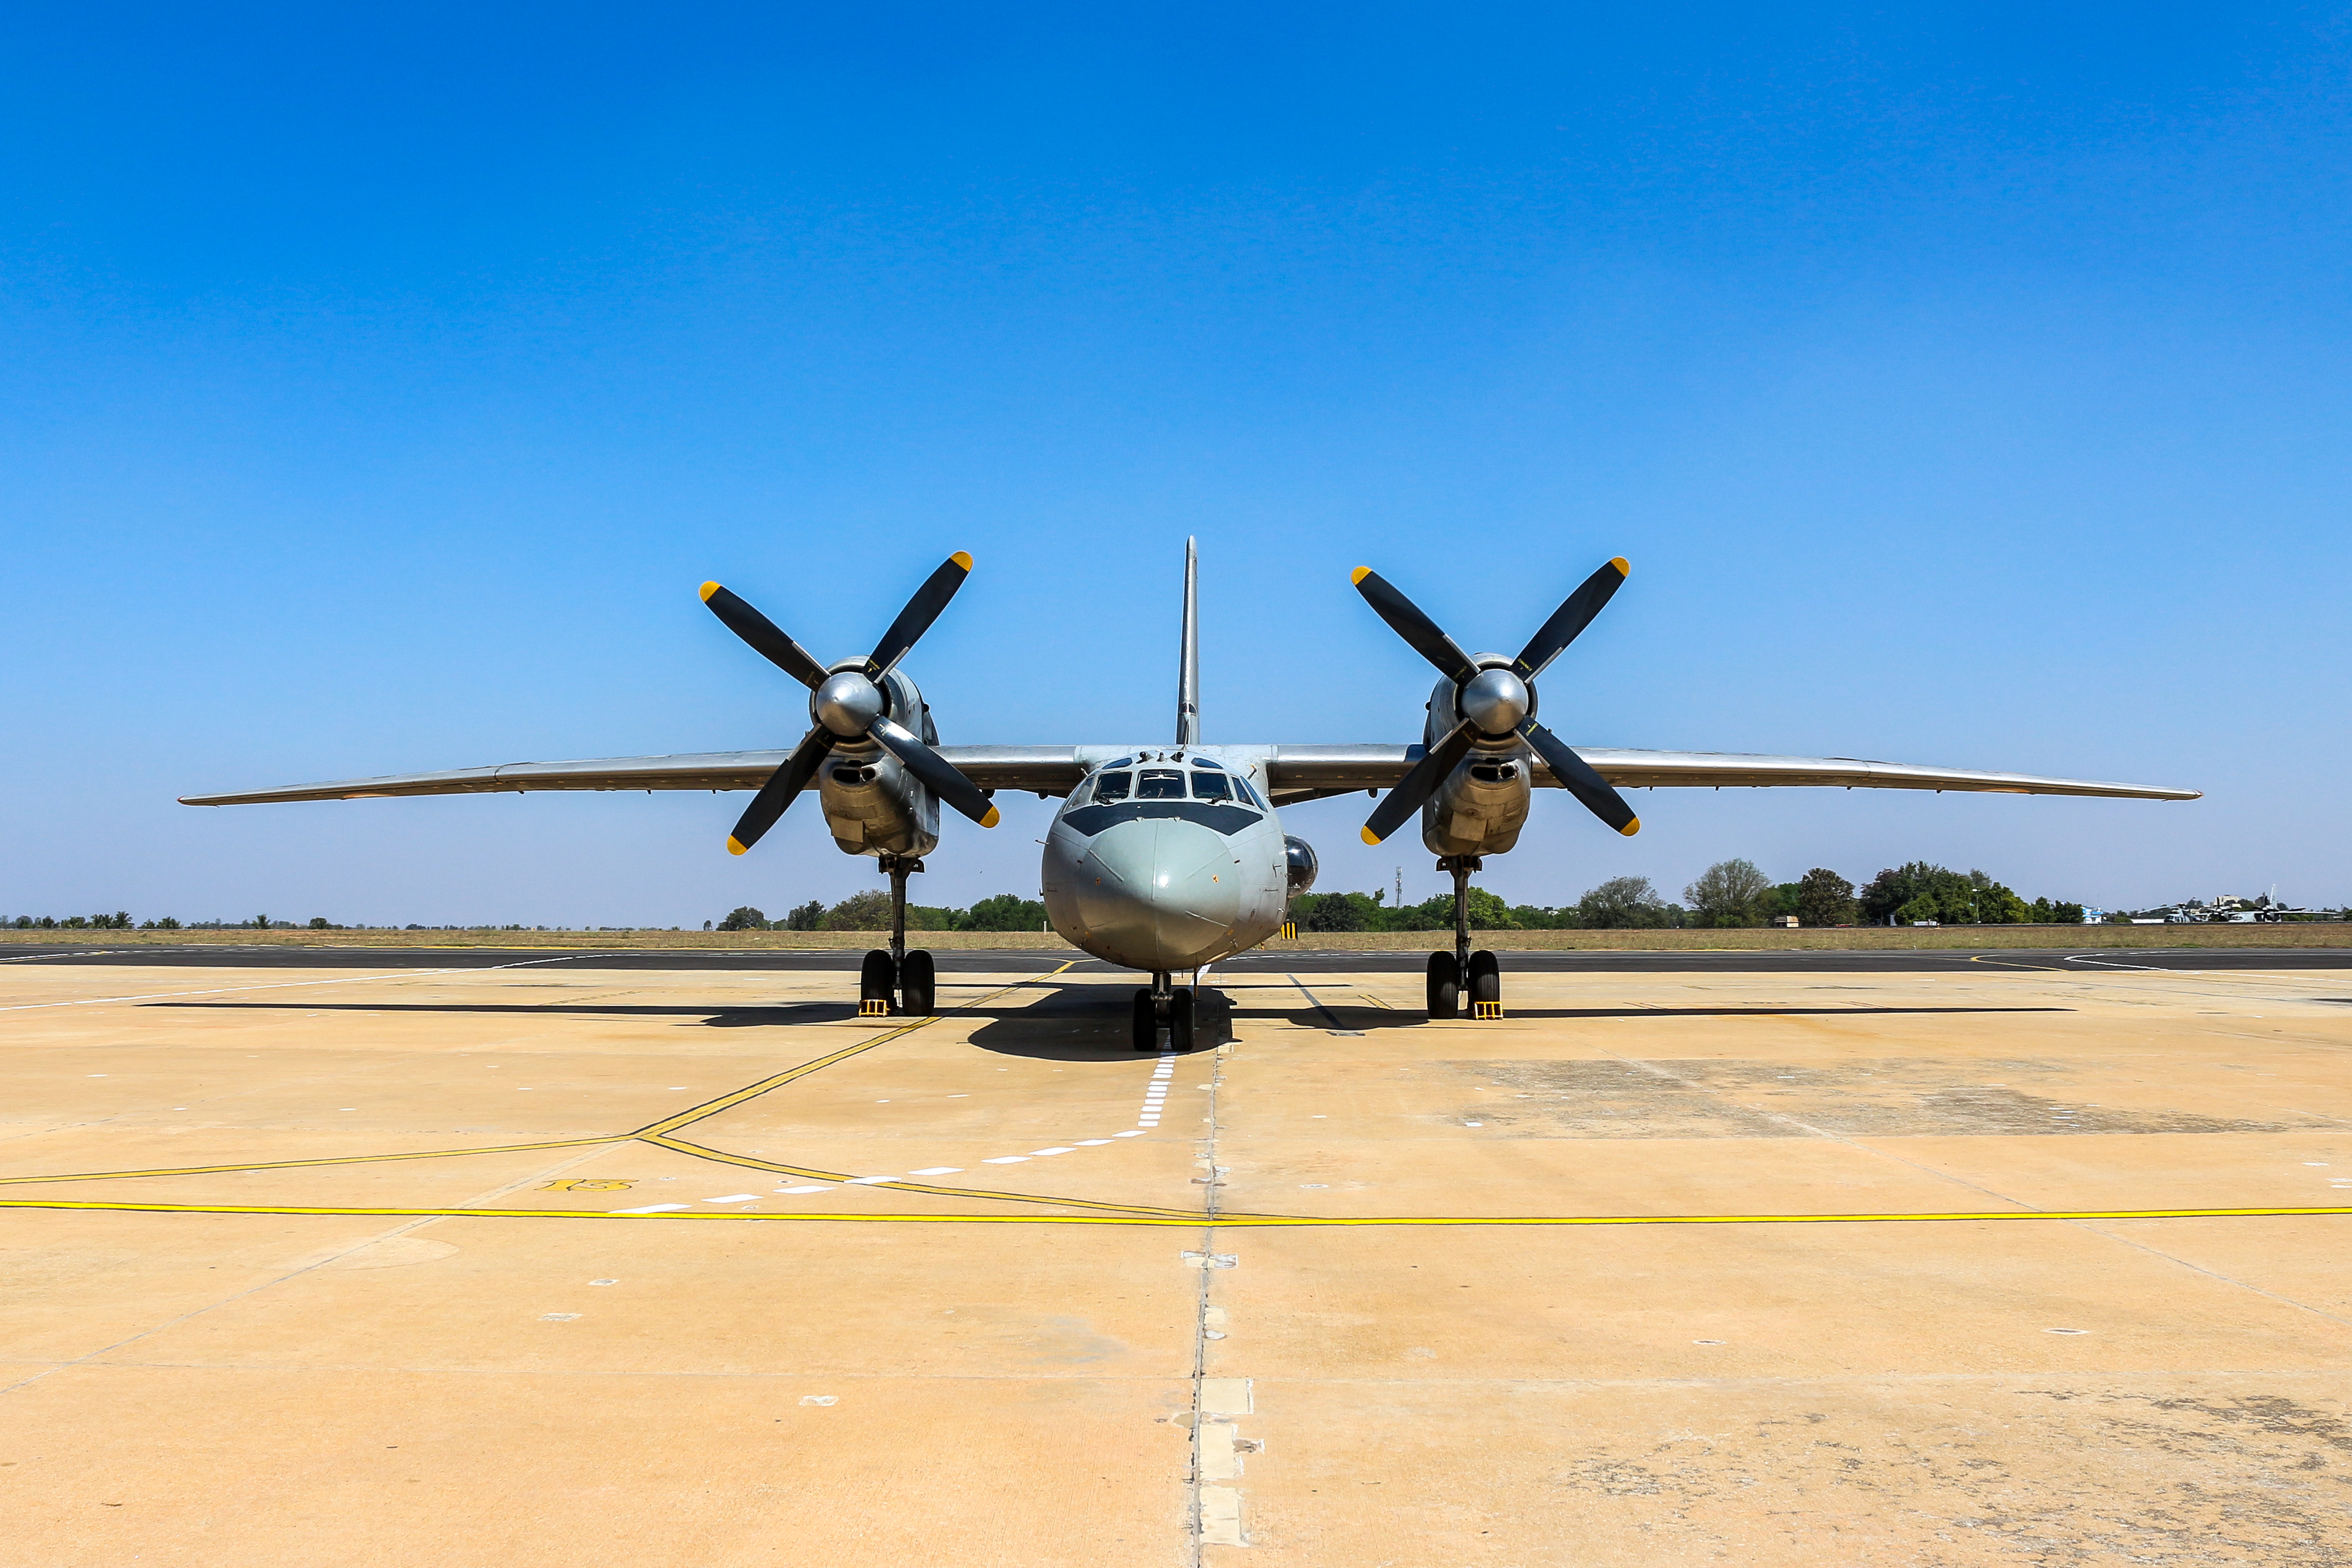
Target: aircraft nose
x: 1161, y: 891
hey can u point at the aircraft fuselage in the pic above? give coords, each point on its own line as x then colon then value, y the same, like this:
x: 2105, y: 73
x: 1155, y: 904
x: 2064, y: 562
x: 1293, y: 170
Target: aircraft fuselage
x: 1167, y: 858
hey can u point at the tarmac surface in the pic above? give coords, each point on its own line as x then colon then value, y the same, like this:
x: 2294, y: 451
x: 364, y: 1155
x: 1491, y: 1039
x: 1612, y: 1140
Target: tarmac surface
x: 1039, y: 961
x: 1772, y: 1261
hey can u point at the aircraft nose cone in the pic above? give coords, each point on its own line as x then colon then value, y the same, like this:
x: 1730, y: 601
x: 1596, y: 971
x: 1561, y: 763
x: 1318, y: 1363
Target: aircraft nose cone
x: 847, y: 704
x: 1495, y: 700
x: 1160, y: 892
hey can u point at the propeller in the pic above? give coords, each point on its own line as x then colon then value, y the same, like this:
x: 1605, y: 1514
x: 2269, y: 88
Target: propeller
x: 849, y: 705
x: 1495, y: 703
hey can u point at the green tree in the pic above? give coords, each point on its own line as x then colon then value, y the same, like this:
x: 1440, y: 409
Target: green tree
x: 1341, y: 911
x: 1728, y: 893
x: 867, y: 910
x: 1004, y: 912
x: 1923, y: 907
x: 261, y: 923
x: 744, y: 917
x: 319, y: 923
x: 809, y: 916
x: 1621, y: 904
x: 1824, y: 898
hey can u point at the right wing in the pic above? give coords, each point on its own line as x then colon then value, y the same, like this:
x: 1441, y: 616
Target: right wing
x: 1048, y: 770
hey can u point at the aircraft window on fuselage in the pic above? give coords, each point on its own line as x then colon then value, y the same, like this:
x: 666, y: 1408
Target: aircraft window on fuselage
x: 1210, y: 787
x: 1111, y: 787
x: 1161, y: 784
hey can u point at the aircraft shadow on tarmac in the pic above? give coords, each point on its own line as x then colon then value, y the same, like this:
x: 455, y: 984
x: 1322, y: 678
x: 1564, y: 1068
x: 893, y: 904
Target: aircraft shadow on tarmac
x: 713, y: 1015
x: 1070, y: 1022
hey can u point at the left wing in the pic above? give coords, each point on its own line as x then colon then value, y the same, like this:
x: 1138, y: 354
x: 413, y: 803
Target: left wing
x: 1308, y: 772
x: 1049, y: 770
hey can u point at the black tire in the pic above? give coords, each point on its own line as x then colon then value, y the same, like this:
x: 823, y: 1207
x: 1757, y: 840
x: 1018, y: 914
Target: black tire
x: 875, y: 980
x: 1180, y: 1021
x: 1445, y: 987
x: 1146, y: 1023
x: 1485, y: 978
x: 918, y: 986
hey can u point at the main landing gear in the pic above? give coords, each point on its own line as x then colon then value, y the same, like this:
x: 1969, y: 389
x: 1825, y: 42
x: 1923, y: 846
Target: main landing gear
x: 898, y: 981
x: 1451, y: 974
x: 1163, y: 1004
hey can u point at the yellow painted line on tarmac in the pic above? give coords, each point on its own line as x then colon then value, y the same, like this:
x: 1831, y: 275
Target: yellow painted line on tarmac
x: 752, y: 1162
x: 753, y: 1090
x: 328, y: 1160
x: 650, y: 1134
x: 1195, y: 1222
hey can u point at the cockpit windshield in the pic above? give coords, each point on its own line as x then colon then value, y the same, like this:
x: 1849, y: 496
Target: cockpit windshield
x: 1210, y: 787
x: 1111, y: 787
x: 1161, y: 784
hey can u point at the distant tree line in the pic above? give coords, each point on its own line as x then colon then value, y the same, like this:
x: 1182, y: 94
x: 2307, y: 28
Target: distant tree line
x: 121, y: 921
x: 870, y: 911
x: 1728, y: 894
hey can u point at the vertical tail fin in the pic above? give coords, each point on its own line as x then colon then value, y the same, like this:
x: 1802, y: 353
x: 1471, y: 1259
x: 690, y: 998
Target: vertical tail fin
x: 1187, y: 672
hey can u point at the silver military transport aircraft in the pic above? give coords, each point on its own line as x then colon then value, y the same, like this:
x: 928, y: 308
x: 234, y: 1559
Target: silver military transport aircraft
x: 1166, y: 858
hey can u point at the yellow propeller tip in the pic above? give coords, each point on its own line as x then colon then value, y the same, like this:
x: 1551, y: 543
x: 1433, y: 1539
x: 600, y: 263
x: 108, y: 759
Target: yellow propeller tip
x: 1623, y: 567
x: 963, y: 559
x: 991, y: 819
x: 708, y: 590
x: 1357, y: 577
x: 735, y: 846
x: 1629, y: 829
x: 1371, y: 837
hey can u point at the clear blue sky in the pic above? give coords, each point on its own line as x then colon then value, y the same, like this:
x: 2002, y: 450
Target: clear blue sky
x: 1967, y: 385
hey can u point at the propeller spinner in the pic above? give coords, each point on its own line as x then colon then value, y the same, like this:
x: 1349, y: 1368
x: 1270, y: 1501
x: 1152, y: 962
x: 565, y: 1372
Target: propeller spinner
x: 849, y: 705
x: 1495, y: 703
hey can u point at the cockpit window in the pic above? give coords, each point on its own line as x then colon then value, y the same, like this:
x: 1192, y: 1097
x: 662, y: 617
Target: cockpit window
x: 1242, y: 787
x: 1206, y: 762
x: 1160, y: 784
x: 1111, y: 787
x: 1210, y: 787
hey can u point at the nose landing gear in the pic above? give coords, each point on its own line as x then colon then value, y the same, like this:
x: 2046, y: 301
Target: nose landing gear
x: 1164, y: 1003
x: 1451, y: 974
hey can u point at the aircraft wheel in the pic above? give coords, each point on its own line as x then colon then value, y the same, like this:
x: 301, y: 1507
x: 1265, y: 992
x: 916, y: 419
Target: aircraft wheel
x: 875, y: 982
x: 1486, y: 981
x: 1147, y: 1022
x: 1180, y: 1021
x: 1445, y: 987
x: 919, y: 988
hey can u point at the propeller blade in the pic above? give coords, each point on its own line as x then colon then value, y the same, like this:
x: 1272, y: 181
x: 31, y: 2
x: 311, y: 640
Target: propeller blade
x: 1576, y: 774
x: 1419, y: 784
x: 783, y: 785
x: 1574, y: 614
x: 936, y: 771
x: 1405, y: 618
x: 764, y: 635
x: 916, y: 617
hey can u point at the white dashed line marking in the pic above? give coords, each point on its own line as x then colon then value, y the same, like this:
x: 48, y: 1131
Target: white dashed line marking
x: 655, y: 1208
x: 936, y: 1170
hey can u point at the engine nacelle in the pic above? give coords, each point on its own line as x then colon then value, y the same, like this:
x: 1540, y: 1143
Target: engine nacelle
x: 1482, y: 807
x: 1298, y: 857
x: 872, y: 805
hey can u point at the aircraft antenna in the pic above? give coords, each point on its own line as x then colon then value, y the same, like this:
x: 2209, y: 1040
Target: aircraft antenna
x: 1188, y: 673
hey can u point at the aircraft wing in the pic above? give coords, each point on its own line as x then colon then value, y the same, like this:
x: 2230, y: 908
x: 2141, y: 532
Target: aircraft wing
x: 1307, y: 772
x: 1294, y: 773
x: 1049, y: 770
